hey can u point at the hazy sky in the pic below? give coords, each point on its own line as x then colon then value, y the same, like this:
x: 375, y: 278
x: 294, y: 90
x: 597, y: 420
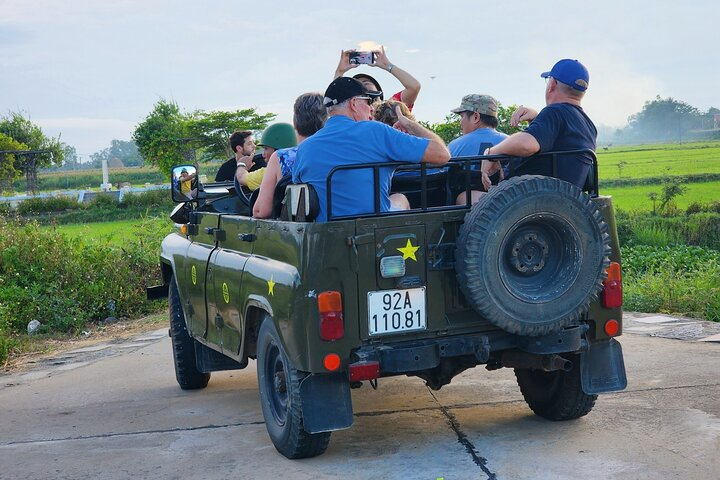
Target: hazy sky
x: 92, y: 69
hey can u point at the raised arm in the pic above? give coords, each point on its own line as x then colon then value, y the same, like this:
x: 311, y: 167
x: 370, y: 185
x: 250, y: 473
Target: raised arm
x: 412, y: 86
x: 344, y: 64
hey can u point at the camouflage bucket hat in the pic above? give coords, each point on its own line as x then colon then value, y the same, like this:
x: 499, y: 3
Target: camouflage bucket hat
x: 483, y: 104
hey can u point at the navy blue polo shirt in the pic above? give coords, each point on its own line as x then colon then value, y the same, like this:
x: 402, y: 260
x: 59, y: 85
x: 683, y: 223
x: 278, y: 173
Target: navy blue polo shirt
x: 561, y: 126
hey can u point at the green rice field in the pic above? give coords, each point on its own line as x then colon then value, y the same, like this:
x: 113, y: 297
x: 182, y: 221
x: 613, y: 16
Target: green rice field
x: 636, y: 197
x: 660, y: 160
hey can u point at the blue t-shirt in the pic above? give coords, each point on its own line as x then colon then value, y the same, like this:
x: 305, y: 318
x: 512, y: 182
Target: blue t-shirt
x: 343, y: 141
x: 286, y: 158
x: 469, y: 144
x: 561, y: 126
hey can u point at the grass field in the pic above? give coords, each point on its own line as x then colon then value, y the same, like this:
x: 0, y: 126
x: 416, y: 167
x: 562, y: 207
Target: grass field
x: 660, y: 160
x: 636, y: 197
x: 115, y: 232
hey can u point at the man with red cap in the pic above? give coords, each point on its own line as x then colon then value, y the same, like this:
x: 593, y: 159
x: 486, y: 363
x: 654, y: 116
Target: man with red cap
x: 561, y: 126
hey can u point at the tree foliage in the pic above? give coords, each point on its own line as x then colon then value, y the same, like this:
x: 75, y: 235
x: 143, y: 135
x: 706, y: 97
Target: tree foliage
x: 8, y: 172
x: 119, y: 150
x: 22, y: 130
x: 664, y: 119
x: 168, y: 136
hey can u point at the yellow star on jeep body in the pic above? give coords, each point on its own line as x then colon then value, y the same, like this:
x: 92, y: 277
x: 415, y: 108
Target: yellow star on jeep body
x: 408, y: 251
x: 271, y: 286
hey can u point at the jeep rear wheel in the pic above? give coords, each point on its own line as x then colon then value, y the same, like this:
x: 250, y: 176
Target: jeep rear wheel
x: 532, y: 255
x: 186, y: 372
x: 279, y: 384
x: 556, y: 395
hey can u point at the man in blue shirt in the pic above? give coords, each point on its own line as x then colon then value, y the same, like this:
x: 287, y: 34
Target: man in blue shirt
x: 478, y: 122
x: 561, y: 125
x: 349, y: 137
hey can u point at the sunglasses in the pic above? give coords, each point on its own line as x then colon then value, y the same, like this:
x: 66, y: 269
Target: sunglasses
x: 369, y: 100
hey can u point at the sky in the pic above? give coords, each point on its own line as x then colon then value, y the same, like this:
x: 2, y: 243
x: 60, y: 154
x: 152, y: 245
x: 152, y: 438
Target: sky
x: 91, y: 70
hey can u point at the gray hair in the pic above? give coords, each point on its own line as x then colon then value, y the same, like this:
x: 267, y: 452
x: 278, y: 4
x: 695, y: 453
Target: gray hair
x: 339, y: 106
x: 310, y: 114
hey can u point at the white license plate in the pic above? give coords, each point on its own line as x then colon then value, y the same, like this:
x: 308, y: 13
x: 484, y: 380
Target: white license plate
x: 394, y: 311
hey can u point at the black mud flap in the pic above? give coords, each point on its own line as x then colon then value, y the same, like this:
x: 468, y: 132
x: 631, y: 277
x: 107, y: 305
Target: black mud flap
x: 602, y: 368
x: 157, y: 292
x: 326, y: 402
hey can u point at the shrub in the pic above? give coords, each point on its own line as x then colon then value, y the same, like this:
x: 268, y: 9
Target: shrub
x: 36, y: 205
x: 66, y: 282
x: 699, y: 229
x: 681, y: 279
x: 152, y: 199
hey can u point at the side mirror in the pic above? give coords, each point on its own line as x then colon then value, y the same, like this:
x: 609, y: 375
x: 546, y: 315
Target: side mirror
x: 184, y: 182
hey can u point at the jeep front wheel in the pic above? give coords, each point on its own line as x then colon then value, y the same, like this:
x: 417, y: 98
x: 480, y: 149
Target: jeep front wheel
x: 279, y: 384
x: 556, y: 395
x: 186, y: 372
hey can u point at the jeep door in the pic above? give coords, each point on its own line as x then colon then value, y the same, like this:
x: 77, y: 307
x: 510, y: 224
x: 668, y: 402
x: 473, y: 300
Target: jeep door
x: 236, y: 238
x: 191, y: 269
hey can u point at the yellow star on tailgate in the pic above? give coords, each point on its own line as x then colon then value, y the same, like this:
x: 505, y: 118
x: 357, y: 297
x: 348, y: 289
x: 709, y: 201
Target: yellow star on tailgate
x: 271, y: 286
x: 408, y: 251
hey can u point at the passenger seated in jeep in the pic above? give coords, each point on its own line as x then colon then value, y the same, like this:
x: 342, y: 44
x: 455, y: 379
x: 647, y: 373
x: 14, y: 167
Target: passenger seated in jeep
x: 348, y: 138
x: 309, y: 116
x: 561, y: 126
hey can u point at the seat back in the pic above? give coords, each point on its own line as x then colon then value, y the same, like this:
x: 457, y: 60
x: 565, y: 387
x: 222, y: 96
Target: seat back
x: 300, y: 204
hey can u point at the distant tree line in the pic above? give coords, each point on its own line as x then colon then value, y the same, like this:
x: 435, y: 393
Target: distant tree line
x: 668, y: 119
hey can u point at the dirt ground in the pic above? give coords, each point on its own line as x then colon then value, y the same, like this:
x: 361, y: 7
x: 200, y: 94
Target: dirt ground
x: 38, y: 349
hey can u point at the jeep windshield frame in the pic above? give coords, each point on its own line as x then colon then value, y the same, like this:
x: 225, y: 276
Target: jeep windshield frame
x: 457, y: 166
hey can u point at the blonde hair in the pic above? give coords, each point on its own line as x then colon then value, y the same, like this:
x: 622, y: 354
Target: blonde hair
x: 385, y: 112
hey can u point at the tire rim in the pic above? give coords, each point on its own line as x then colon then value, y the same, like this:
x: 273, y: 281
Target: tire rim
x: 276, y: 383
x: 540, y: 258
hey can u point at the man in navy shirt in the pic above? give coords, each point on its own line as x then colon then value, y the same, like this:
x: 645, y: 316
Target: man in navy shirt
x: 350, y: 138
x: 561, y: 125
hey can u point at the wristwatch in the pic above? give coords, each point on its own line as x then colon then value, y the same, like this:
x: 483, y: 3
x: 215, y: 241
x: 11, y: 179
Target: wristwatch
x: 390, y: 67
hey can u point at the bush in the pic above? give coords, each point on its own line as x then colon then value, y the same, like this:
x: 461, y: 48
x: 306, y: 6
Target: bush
x: 66, y: 282
x: 642, y: 228
x: 36, y: 205
x: 152, y: 199
x: 682, y: 280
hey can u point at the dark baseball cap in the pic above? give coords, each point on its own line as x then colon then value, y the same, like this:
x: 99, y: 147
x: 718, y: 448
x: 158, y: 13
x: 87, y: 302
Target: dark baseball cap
x: 372, y: 80
x: 343, y: 88
x: 571, y: 73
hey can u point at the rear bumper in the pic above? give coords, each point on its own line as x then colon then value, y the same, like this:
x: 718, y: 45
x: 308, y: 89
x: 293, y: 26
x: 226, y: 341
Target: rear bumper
x: 412, y: 356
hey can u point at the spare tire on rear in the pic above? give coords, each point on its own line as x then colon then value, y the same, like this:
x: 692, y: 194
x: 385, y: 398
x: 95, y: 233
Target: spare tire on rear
x: 532, y: 255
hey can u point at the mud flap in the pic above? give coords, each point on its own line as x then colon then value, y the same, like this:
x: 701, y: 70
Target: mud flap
x: 602, y: 368
x: 326, y: 402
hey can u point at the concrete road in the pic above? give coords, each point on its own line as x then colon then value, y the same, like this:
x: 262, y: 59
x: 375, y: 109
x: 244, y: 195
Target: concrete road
x: 114, y: 411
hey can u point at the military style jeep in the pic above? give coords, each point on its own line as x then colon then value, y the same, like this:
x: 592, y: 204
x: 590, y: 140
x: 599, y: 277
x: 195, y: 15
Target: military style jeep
x: 527, y: 278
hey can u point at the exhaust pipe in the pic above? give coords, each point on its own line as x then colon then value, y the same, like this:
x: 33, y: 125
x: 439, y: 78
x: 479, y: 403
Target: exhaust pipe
x: 547, y: 363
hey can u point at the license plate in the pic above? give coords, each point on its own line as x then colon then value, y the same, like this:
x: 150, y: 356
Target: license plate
x: 395, y: 311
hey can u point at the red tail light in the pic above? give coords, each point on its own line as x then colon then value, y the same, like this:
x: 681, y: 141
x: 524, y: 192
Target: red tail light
x: 612, y: 327
x: 612, y: 287
x: 364, y: 371
x: 331, y: 316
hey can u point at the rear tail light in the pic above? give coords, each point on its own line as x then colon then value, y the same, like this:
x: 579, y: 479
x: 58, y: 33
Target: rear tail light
x: 364, y: 371
x: 332, y: 361
x: 612, y: 287
x: 331, y: 316
x: 612, y: 327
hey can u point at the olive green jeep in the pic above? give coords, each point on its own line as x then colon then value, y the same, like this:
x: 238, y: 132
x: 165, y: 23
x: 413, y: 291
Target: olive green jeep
x: 527, y: 278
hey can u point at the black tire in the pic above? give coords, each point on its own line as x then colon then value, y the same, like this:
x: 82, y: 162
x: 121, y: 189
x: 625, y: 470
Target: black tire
x: 531, y: 255
x: 279, y: 384
x: 556, y: 395
x: 186, y: 372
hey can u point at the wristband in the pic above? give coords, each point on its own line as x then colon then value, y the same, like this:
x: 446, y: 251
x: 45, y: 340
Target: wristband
x: 241, y: 164
x: 390, y: 67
